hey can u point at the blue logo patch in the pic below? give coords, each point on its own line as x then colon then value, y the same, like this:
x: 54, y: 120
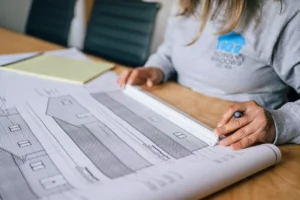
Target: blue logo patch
x: 231, y: 43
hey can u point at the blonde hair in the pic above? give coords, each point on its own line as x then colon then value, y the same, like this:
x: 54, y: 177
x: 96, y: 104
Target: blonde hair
x: 238, y: 13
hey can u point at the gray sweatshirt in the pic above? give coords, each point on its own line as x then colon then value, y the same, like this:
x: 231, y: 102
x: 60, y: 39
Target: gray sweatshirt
x: 260, y: 62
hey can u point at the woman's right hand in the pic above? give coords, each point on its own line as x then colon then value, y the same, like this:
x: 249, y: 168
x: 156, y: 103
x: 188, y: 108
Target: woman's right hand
x: 141, y: 76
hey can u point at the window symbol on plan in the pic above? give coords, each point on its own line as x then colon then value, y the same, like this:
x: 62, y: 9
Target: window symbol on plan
x: 66, y: 102
x: 24, y: 143
x: 180, y: 135
x: 154, y: 119
x: 14, y: 128
x: 37, y: 166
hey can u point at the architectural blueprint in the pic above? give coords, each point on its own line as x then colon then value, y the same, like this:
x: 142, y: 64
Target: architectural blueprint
x: 25, y: 165
x: 63, y: 142
x: 166, y: 135
x: 100, y: 144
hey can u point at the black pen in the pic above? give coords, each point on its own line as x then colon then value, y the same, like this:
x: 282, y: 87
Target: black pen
x: 23, y: 59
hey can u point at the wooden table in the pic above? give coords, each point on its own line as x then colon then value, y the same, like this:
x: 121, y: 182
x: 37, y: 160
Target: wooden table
x: 278, y: 182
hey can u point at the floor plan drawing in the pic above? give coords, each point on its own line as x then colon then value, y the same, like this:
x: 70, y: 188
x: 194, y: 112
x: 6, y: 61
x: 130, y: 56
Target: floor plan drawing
x: 108, y: 152
x: 26, y: 170
x: 172, y: 139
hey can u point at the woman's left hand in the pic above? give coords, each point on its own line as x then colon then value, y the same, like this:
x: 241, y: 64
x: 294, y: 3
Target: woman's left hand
x: 255, y: 126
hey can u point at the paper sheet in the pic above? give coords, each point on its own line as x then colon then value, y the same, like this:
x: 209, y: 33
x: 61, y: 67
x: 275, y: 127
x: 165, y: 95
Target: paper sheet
x: 66, y: 53
x: 6, y: 59
x: 94, y: 142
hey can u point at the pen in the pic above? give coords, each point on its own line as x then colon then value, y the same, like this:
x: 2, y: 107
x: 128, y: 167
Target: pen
x: 23, y: 59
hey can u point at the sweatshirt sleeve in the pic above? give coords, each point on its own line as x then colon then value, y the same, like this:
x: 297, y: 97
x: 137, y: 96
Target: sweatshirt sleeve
x: 286, y: 62
x: 162, y: 58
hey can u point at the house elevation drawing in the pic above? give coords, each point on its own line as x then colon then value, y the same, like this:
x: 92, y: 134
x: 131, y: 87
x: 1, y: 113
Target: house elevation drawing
x: 26, y: 170
x: 109, y: 153
x: 166, y: 135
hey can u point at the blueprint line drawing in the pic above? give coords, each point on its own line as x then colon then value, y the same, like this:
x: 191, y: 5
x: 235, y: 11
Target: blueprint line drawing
x: 84, y: 171
x: 109, y: 153
x: 166, y: 135
x: 26, y: 170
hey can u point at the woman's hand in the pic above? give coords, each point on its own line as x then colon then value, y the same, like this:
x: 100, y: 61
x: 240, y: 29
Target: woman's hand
x: 140, y: 76
x: 255, y: 126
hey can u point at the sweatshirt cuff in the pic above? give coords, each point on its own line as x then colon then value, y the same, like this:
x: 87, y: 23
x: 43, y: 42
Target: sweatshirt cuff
x: 157, y: 63
x: 274, y: 117
x: 279, y: 118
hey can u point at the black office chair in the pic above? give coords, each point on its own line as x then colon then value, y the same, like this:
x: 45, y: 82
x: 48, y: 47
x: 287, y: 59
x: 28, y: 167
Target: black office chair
x: 293, y: 95
x: 121, y: 30
x: 51, y: 20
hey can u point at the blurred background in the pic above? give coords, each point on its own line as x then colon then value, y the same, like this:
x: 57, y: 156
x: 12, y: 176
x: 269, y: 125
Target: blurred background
x: 14, y: 15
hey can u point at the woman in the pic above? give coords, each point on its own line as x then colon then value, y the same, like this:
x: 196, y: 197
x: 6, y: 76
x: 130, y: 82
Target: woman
x: 245, y: 51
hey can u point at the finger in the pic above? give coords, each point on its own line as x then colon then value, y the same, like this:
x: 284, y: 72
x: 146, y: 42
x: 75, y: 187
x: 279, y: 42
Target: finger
x: 156, y: 76
x: 233, y: 125
x: 148, y: 76
x: 145, y: 73
x: 124, y: 77
x: 139, y: 76
x: 245, y: 142
x: 230, y: 111
x: 149, y: 83
x: 240, y: 134
x: 262, y: 124
x: 134, y: 78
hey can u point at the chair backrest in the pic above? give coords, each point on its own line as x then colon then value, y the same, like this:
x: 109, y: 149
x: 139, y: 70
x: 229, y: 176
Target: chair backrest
x: 51, y: 20
x: 121, y: 30
x: 293, y: 95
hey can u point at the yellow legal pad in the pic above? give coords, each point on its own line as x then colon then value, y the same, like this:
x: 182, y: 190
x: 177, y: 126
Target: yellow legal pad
x: 60, y: 68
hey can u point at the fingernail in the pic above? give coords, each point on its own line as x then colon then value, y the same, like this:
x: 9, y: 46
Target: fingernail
x: 219, y: 125
x: 223, y: 142
x: 216, y: 131
x: 233, y: 148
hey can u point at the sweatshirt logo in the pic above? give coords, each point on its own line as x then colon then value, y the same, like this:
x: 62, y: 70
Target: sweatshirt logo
x: 228, y: 50
x: 231, y: 43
